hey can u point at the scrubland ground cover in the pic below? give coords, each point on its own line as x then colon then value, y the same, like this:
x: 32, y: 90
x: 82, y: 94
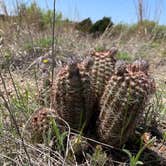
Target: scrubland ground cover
x: 28, y: 37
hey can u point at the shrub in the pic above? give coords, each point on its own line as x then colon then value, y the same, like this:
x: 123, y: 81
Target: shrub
x: 101, y: 25
x: 34, y: 15
x: 31, y: 14
x: 84, y: 25
x: 146, y: 27
x: 118, y: 29
x: 159, y: 32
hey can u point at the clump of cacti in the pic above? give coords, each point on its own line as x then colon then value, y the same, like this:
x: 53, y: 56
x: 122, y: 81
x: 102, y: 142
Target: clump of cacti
x: 117, y: 91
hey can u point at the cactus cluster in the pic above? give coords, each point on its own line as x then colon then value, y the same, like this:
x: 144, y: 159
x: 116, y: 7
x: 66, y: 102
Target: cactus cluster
x: 119, y: 91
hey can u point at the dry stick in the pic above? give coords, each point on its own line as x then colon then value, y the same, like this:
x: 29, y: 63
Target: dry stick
x: 13, y: 118
x: 7, y: 157
x: 19, y: 19
x: 12, y: 138
x: 36, y: 82
x: 10, y: 74
x: 5, y: 88
x: 98, y: 142
x: 53, y: 42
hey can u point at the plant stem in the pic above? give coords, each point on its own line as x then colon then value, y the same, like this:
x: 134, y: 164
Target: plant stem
x: 53, y: 42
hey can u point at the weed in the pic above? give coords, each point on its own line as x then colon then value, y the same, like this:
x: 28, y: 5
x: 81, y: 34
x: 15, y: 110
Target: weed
x: 60, y: 136
x: 154, y: 111
x: 124, y: 56
x: 134, y: 160
x: 99, y: 157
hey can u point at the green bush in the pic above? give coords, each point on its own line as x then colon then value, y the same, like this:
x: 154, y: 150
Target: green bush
x: 33, y: 14
x: 133, y: 29
x: 118, y: 29
x: 148, y: 26
x: 84, y: 25
x: 101, y: 25
x: 30, y: 14
x: 159, y: 32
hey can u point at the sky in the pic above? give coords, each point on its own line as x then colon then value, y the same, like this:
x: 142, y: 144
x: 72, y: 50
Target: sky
x: 120, y: 11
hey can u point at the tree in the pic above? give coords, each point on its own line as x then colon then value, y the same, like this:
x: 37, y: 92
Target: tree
x: 100, y: 25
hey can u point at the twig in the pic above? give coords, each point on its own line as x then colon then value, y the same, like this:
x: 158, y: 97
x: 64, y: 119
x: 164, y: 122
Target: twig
x: 98, y: 142
x: 53, y: 42
x: 5, y: 88
x: 36, y: 81
x: 4, y: 156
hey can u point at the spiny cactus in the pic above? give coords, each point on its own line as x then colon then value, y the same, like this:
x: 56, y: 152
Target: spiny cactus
x: 123, y: 100
x: 37, y: 127
x: 104, y: 63
x: 120, y: 89
x: 88, y: 92
x: 72, y: 94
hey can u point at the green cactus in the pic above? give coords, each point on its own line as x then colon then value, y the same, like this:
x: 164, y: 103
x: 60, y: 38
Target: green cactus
x: 103, y: 68
x: 123, y: 101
